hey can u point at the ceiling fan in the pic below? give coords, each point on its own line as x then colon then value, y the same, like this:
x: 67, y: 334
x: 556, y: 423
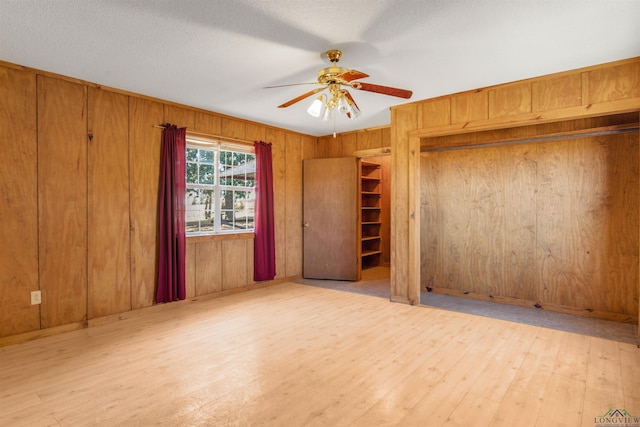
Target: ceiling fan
x: 333, y: 79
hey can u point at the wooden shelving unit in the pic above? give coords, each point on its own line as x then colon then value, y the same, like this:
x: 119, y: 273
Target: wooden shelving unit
x: 370, y: 214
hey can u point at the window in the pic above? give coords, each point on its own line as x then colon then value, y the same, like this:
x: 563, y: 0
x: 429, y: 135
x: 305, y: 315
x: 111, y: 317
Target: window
x: 220, y: 187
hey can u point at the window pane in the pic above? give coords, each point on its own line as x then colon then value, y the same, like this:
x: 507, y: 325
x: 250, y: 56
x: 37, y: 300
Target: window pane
x: 199, y: 210
x: 234, y: 169
x: 237, y: 209
x: 192, y: 173
x: 206, y: 174
x: 251, y: 171
x: 243, y: 208
x: 192, y: 154
x: 206, y: 156
x: 226, y: 170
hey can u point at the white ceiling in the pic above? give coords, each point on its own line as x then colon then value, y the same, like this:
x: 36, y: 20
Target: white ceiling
x: 219, y: 54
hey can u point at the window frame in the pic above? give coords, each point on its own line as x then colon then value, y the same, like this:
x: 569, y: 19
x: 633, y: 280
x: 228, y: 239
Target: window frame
x: 217, y: 146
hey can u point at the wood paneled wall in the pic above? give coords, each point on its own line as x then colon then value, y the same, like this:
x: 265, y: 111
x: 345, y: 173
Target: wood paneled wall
x: 552, y: 224
x: 108, y: 248
x: 19, y: 207
x: 348, y: 143
x: 62, y: 201
x: 79, y: 220
x: 577, y: 201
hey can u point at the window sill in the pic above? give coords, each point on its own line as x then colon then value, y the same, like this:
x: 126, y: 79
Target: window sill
x: 218, y: 237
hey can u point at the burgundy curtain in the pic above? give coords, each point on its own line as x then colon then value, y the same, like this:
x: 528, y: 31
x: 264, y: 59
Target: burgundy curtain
x: 171, y: 257
x: 264, y: 248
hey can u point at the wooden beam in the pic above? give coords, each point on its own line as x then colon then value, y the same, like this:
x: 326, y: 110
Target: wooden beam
x: 405, y: 206
x: 598, y: 131
x: 372, y: 152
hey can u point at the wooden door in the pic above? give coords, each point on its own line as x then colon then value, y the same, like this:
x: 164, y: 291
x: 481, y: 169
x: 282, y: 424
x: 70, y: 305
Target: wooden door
x: 330, y: 211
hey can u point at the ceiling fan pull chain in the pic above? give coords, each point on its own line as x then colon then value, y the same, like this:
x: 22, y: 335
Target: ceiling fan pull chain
x: 334, y: 125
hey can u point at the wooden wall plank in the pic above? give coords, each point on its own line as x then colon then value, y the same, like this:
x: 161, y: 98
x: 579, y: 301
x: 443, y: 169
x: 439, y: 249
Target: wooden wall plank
x: 19, y: 208
x: 510, y: 100
x: 479, y: 224
x: 309, y: 144
x: 233, y: 128
x: 145, y: 143
x: 430, y: 231
x: 191, y: 269
x: 250, y: 257
x: 469, y: 106
x: 179, y: 116
x: 62, y: 201
x: 255, y: 132
x: 588, y: 197
x: 208, y: 262
x: 234, y: 273
x: 334, y: 146
x: 277, y: 139
x: 293, y: 204
x: 614, y: 83
x: 323, y: 147
x: 369, y: 139
x: 435, y: 112
x: 554, y: 93
x: 386, y: 137
x: 348, y: 144
x: 208, y: 123
x: 108, y: 246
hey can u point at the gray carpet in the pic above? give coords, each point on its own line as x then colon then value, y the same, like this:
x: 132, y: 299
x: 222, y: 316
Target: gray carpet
x: 375, y: 284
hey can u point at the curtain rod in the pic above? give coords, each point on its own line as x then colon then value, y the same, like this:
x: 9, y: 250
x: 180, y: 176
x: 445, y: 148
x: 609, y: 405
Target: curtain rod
x: 209, y: 135
x: 568, y: 135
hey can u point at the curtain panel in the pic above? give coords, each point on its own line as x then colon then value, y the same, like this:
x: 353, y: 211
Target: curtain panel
x: 172, y: 237
x: 264, y: 248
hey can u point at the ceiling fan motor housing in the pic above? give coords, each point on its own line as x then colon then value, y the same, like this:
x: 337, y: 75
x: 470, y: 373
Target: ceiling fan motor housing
x: 329, y: 74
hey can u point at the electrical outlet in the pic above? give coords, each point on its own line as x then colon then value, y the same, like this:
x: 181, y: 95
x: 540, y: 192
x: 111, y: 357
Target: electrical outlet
x: 36, y: 297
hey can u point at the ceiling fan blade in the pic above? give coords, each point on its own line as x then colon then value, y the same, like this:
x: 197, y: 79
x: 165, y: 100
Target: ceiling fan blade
x: 350, y: 98
x: 292, y: 84
x: 352, y: 75
x: 386, y: 90
x: 300, y: 98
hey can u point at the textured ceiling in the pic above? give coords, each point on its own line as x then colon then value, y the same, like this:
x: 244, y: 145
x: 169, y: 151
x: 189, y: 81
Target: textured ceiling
x: 219, y: 54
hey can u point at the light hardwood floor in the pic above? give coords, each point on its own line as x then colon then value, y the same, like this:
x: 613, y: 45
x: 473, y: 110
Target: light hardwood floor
x: 292, y: 354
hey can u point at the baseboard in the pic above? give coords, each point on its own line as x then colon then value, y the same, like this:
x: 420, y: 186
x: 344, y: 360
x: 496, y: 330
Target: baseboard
x: 42, y: 333
x: 605, y: 315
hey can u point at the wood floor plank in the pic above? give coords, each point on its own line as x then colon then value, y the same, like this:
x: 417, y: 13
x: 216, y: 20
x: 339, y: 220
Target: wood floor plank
x: 450, y: 340
x: 440, y: 404
x: 630, y: 360
x: 603, y: 379
x: 523, y: 400
x: 296, y: 355
x: 473, y: 410
x: 563, y: 402
x: 385, y: 376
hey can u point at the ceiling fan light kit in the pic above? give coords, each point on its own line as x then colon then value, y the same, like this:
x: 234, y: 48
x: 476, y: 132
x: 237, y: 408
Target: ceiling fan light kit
x: 333, y: 79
